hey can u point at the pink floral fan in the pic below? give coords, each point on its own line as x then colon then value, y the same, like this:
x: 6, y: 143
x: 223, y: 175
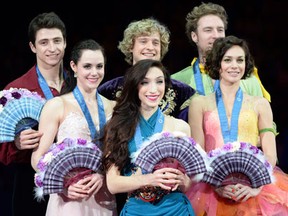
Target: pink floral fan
x: 64, y: 164
x: 238, y: 162
x: 167, y: 145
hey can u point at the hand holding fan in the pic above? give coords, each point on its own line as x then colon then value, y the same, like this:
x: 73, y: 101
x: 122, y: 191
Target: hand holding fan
x: 167, y: 145
x: 238, y: 159
x: 19, y: 109
x: 77, y: 156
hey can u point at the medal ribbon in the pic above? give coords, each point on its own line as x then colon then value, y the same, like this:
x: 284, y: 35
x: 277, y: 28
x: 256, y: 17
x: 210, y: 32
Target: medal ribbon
x: 101, y: 113
x: 229, y: 135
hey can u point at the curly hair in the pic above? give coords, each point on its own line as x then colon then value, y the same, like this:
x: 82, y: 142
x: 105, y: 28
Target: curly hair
x: 143, y: 27
x: 204, y: 9
x: 220, y: 47
x: 121, y: 127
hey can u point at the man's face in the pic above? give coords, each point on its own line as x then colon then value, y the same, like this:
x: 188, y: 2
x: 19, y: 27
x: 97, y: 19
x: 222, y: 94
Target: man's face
x: 147, y: 47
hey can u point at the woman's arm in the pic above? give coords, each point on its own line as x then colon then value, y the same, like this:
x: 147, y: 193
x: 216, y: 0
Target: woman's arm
x: 161, y: 177
x: 267, y: 139
x: 48, y: 125
x: 195, y: 120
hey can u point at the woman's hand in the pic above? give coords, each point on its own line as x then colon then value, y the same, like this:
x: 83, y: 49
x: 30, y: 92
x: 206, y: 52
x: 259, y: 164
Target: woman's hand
x: 92, y: 183
x: 169, y: 179
x: 85, y: 187
x: 226, y: 191
x: 185, y: 182
x: 243, y: 193
x: 238, y: 192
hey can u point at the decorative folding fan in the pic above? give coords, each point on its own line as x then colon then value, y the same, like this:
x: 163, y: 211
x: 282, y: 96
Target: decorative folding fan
x: 168, y: 145
x: 238, y: 157
x: 62, y: 158
x: 19, y: 109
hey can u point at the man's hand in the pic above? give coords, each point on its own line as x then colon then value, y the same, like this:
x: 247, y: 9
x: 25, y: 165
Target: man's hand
x: 28, y: 139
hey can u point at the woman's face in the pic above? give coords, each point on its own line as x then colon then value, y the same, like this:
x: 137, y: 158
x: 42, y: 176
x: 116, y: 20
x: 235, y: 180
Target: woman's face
x: 89, y: 69
x: 152, y: 88
x: 233, y: 65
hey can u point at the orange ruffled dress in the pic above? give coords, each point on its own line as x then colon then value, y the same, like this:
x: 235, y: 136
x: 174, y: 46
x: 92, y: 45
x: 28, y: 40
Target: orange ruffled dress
x: 273, y: 198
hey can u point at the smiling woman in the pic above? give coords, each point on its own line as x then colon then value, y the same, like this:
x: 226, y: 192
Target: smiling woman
x: 256, y: 21
x: 226, y: 140
x: 136, y: 118
x: 77, y: 128
x: 150, y: 39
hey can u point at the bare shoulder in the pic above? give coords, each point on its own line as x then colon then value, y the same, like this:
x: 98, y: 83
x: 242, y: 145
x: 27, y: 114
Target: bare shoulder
x: 173, y: 124
x: 53, y: 108
x: 200, y: 100
x: 54, y: 103
x: 262, y: 104
x: 108, y: 105
x: 197, y: 98
x: 108, y: 102
x: 263, y: 101
x: 258, y: 101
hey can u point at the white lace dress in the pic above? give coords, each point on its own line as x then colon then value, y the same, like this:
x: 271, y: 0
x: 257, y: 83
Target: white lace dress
x: 102, y: 203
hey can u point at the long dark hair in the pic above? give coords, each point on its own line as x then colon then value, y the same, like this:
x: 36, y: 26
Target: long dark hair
x: 76, y: 53
x: 121, y: 127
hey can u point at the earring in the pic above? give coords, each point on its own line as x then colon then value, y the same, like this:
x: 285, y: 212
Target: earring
x: 75, y: 75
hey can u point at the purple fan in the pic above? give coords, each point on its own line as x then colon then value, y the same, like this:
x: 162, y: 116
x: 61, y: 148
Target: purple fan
x: 62, y: 159
x: 184, y: 149
x: 247, y: 160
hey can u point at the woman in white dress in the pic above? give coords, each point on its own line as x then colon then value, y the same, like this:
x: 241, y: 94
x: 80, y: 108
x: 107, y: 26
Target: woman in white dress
x: 79, y: 113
